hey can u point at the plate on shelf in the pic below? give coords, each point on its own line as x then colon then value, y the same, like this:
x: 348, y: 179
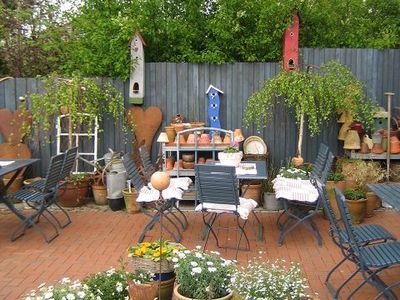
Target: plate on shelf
x: 254, y: 145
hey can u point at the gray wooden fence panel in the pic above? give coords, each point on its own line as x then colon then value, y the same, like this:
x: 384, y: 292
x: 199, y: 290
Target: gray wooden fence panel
x: 180, y: 88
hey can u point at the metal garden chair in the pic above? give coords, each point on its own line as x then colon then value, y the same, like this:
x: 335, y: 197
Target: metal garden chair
x: 367, y: 234
x: 68, y: 164
x: 297, y: 213
x: 139, y: 183
x: 217, y: 191
x: 370, y: 260
x: 40, y: 200
x: 148, y: 170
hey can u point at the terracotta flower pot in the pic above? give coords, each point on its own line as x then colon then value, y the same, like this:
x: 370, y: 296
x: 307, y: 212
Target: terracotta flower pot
x: 99, y: 194
x: 357, y: 209
x: 73, y: 195
x: 252, y: 191
x: 178, y: 296
x: 131, y: 205
x: 341, y: 185
x: 371, y: 204
x: 170, y: 131
x: 15, y: 186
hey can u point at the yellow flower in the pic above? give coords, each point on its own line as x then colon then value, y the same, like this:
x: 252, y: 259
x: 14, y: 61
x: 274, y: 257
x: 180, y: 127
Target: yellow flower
x: 146, y: 244
x: 138, y: 252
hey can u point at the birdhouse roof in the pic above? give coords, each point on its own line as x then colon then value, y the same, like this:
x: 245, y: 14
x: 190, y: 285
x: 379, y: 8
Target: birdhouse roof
x: 213, y: 87
x: 137, y: 33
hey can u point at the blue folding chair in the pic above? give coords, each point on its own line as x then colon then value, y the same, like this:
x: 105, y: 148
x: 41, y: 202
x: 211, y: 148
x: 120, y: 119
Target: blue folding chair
x: 217, y: 191
x: 148, y: 170
x: 367, y: 234
x: 369, y: 260
x: 40, y: 200
x: 70, y: 156
x: 297, y: 213
x: 149, y: 209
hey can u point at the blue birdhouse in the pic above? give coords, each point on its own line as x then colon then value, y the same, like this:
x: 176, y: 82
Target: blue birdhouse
x: 213, y: 106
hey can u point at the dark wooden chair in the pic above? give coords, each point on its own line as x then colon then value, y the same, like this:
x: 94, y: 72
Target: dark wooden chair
x: 369, y: 260
x: 40, y: 200
x: 138, y: 182
x: 366, y: 234
x: 296, y: 213
x: 217, y: 191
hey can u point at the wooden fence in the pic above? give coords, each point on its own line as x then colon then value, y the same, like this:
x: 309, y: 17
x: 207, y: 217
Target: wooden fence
x: 180, y: 88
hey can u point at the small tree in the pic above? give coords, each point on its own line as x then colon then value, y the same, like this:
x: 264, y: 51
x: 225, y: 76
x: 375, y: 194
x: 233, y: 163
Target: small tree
x: 315, y: 94
x: 82, y: 100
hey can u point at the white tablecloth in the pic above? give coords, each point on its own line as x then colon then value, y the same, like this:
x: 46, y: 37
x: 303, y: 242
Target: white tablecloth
x: 175, y: 190
x: 295, y: 189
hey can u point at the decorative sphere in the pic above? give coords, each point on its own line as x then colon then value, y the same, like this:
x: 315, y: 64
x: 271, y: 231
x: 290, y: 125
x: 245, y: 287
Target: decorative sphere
x: 160, y: 180
x: 297, y: 161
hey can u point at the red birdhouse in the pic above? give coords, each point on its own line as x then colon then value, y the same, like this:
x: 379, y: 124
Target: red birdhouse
x: 291, y: 44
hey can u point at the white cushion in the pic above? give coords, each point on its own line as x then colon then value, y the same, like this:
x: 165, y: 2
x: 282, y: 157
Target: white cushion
x: 245, y: 207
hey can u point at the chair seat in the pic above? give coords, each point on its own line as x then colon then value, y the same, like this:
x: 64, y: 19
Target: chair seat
x: 381, y: 255
x: 369, y: 233
x: 28, y: 195
x: 245, y: 207
x: 37, y: 185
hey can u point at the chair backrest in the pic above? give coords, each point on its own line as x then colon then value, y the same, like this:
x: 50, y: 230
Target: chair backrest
x: 336, y: 230
x: 348, y: 225
x: 53, y: 172
x: 327, y: 168
x: 216, y: 184
x: 148, y: 166
x: 320, y: 161
x: 69, y: 160
x: 133, y: 173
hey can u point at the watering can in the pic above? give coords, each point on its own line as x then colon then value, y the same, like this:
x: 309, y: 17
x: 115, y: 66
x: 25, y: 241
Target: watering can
x: 115, y: 174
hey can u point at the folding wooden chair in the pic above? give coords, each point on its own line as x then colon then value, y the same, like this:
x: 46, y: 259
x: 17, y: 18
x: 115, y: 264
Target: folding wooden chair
x: 148, y: 170
x: 70, y: 156
x: 297, y: 213
x: 139, y: 183
x: 40, y: 200
x: 369, y: 260
x: 217, y: 191
x: 366, y: 234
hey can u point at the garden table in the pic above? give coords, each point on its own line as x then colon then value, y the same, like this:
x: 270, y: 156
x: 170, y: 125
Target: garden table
x: 9, y: 166
x: 389, y: 193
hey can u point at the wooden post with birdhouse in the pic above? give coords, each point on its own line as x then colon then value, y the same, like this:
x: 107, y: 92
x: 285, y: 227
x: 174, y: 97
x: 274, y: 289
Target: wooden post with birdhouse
x: 136, y: 80
x: 291, y: 44
x: 213, y: 106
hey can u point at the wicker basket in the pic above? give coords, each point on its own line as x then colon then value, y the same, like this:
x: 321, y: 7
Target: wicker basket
x: 145, y: 264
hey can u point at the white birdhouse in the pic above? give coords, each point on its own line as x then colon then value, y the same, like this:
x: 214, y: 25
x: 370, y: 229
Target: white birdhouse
x: 136, y: 80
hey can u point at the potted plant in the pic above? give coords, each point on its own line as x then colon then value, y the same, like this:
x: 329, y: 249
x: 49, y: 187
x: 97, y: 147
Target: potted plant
x: 335, y: 178
x: 264, y: 280
x: 156, y: 257
x: 357, y: 204
x: 130, y: 195
x: 81, y: 100
x: 74, y: 190
x: 98, y: 186
x: 270, y: 202
x: 364, y: 173
x: 315, y: 94
x: 231, y: 156
x: 202, y: 275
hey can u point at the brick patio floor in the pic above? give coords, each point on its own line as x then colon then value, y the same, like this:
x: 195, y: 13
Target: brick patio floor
x: 96, y: 240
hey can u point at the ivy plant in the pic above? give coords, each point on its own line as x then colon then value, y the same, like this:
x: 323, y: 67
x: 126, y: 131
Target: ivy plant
x: 82, y: 99
x: 316, y: 95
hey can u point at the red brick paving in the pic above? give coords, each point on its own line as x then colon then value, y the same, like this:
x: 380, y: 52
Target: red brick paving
x: 96, y: 240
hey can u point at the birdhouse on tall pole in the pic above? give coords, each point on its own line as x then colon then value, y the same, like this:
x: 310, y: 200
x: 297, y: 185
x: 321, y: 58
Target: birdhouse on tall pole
x: 213, y: 106
x: 291, y: 44
x: 136, y: 80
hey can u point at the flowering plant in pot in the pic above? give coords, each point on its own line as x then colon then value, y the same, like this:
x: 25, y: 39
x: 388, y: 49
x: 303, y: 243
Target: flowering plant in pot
x: 264, y: 280
x: 230, y: 156
x: 202, y: 275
